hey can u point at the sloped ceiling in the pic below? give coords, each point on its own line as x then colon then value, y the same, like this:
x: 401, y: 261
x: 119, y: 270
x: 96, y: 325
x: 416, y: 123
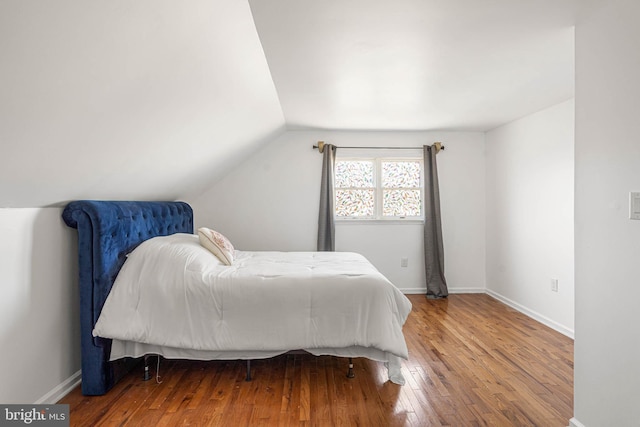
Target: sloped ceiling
x: 416, y: 64
x: 157, y: 99
x: 145, y: 99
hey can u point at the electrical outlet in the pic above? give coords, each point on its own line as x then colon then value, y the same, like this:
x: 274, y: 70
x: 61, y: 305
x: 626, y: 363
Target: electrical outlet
x: 404, y: 262
x: 634, y: 205
x: 554, y: 285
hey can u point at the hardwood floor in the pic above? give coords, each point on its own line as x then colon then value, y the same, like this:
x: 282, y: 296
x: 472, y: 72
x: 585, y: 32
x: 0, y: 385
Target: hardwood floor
x: 473, y: 362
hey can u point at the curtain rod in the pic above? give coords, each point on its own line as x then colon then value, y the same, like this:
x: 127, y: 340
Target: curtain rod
x: 438, y: 146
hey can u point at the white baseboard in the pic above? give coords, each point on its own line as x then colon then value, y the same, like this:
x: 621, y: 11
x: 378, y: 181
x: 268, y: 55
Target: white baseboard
x: 467, y: 290
x: 414, y: 291
x: 61, y: 390
x: 575, y: 423
x: 533, y: 314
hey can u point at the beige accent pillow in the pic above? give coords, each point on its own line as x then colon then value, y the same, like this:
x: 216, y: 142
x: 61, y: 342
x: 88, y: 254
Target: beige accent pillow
x: 219, y: 245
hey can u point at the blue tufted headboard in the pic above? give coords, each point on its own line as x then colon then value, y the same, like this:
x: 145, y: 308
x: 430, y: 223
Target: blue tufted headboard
x: 107, y: 232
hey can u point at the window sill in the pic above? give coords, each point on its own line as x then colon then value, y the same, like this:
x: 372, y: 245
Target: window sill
x: 380, y: 221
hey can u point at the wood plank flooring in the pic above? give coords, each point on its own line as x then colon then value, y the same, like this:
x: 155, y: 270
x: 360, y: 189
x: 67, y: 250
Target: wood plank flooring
x: 473, y: 362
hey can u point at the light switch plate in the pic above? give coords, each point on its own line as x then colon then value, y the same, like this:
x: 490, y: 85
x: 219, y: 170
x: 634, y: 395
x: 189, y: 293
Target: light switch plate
x: 634, y: 205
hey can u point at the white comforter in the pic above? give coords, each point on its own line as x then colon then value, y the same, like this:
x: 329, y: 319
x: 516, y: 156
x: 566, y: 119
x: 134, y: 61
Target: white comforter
x: 173, y: 293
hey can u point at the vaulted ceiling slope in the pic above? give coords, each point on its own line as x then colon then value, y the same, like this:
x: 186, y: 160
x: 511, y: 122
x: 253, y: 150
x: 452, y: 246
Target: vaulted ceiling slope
x: 416, y: 64
x: 157, y: 99
x: 145, y: 99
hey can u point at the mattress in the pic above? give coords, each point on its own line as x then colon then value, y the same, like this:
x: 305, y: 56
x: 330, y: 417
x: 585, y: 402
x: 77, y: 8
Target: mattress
x: 173, y: 297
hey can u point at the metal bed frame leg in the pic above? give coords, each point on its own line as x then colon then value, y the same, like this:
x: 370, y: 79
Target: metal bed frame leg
x: 248, y: 378
x: 350, y: 373
x: 147, y: 374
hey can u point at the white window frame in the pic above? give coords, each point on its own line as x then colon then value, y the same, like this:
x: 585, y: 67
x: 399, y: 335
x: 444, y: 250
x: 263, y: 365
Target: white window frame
x: 379, y: 191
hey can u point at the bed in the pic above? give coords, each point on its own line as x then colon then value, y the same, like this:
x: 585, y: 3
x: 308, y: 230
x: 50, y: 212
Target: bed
x: 195, y: 307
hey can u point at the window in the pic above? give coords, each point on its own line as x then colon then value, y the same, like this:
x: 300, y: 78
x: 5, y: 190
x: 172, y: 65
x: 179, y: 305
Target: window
x: 378, y: 188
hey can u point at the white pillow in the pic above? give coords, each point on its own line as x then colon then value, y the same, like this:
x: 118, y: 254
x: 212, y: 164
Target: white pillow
x: 219, y: 245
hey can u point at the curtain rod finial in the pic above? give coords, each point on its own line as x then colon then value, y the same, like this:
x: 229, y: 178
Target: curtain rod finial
x: 438, y: 146
x: 320, y: 146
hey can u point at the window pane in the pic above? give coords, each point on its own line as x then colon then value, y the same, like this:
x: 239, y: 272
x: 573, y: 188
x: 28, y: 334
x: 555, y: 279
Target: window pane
x: 400, y: 174
x: 357, y: 174
x: 354, y: 203
x: 401, y: 203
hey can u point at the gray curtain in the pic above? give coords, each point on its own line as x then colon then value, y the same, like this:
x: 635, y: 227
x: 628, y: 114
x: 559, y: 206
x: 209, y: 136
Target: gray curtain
x: 433, y: 247
x: 326, y: 223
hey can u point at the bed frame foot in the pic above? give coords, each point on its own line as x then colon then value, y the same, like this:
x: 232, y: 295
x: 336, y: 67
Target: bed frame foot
x: 350, y: 373
x: 147, y: 374
x: 248, y: 378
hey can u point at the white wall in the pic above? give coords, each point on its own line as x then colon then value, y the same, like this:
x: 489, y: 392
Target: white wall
x: 530, y: 189
x: 39, y: 316
x: 128, y: 100
x: 271, y: 202
x: 607, y: 156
